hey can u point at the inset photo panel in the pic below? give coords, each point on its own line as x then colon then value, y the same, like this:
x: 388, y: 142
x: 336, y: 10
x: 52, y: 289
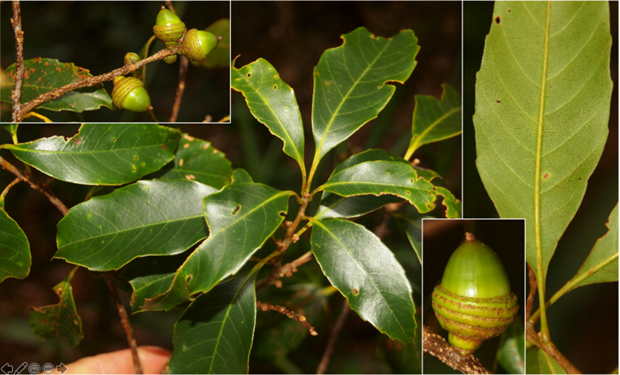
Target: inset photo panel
x: 115, y: 61
x: 473, y: 295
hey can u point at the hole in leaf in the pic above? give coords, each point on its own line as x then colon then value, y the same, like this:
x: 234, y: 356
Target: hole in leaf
x: 499, y: 101
x: 236, y: 210
x: 249, y: 75
x: 189, y: 278
x: 497, y: 20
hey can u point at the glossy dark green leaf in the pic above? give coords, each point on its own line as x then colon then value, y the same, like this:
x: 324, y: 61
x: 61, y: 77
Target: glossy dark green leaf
x: 60, y: 320
x: 334, y: 206
x: 542, y: 110
x: 427, y: 174
x: 453, y: 205
x: 350, y: 83
x: 366, y: 272
x: 15, y: 258
x: 43, y: 75
x: 383, y: 177
x: 241, y: 176
x: 146, y: 218
x: 102, y: 154
x: 602, y: 263
x: 241, y: 217
x: 511, y: 352
x: 151, y: 276
x: 220, y: 57
x: 214, y: 335
x: 273, y: 103
x: 435, y: 120
x: 539, y: 362
x: 197, y: 160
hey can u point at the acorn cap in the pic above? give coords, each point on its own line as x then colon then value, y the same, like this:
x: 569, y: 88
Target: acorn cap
x: 474, y: 270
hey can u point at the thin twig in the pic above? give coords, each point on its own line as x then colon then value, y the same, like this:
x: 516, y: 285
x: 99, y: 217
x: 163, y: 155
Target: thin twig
x: 287, y: 270
x: 329, y: 350
x: 290, y: 314
x: 35, y: 185
x: 8, y: 187
x: 289, y: 238
x: 16, y: 21
x: 137, y: 366
x: 92, y: 81
x: 436, y: 346
x: 183, y: 65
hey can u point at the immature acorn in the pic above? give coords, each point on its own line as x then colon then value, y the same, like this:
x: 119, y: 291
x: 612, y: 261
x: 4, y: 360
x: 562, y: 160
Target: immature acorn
x: 129, y: 93
x: 131, y: 58
x: 168, y: 27
x: 474, y: 302
x: 197, y: 44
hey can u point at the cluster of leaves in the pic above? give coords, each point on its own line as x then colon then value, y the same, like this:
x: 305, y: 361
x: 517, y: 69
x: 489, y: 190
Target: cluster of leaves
x: 42, y: 75
x: 210, y: 221
x: 542, y: 108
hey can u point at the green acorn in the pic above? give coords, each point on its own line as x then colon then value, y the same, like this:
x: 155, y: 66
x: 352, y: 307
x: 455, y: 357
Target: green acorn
x: 197, y: 44
x: 129, y: 93
x: 474, y: 301
x: 131, y: 58
x: 168, y: 28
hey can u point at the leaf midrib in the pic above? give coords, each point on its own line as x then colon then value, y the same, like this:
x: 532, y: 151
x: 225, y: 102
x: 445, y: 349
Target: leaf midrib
x: 539, y: 150
x: 344, y: 99
x: 432, y: 126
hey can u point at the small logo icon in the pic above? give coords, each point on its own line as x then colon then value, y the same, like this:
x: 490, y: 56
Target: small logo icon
x: 34, y: 368
x: 48, y: 368
x: 61, y: 368
x: 7, y: 369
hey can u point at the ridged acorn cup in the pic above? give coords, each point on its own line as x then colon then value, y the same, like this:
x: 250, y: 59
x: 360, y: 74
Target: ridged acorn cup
x: 131, y: 58
x: 474, y: 301
x: 197, y: 44
x: 129, y: 93
x: 168, y: 28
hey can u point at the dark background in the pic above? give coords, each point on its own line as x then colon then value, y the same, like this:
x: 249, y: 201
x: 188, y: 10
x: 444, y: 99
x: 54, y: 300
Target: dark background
x: 440, y: 239
x: 583, y: 323
x: 96, y: 35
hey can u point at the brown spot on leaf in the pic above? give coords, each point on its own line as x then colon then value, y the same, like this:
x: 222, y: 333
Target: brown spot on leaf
x: 546, y: 176
x: 497, y: 20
